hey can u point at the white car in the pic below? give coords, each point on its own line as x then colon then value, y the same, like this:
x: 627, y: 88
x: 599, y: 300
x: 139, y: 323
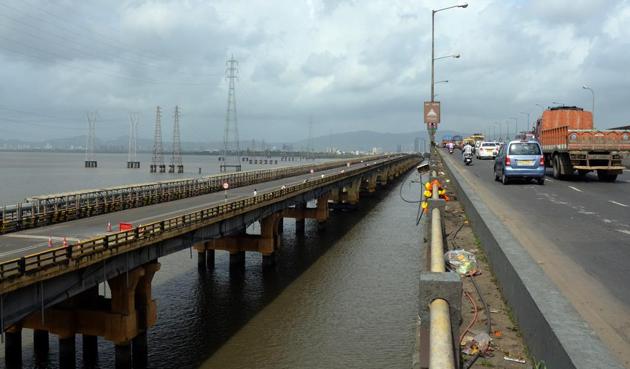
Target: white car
x: 488, y: 150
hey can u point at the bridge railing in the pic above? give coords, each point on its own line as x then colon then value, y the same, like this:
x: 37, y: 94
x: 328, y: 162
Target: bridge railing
x: 92, y: 250
x: 44, y: 210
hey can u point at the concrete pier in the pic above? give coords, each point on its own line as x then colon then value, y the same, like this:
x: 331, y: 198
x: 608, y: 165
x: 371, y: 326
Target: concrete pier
x: 67, y: 352
x: 90, y: 349
x: 122, y: 355
x: 13, y: 348
x: 41, y: 345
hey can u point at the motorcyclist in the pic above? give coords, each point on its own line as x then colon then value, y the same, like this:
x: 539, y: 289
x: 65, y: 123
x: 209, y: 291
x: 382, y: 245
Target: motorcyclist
x: 467, y: 150
x: 450, y: 146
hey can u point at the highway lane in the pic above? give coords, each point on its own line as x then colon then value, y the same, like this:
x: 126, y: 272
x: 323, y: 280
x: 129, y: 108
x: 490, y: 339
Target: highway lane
x: 579, y: 232
x: 13, y: 245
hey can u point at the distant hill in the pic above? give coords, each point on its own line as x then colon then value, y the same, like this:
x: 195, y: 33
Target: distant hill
x: 347, y: 141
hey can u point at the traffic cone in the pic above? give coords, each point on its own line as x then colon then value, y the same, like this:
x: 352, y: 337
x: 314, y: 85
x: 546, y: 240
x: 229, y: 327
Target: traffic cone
x: 109, y: 226
x: 50, y: 242
x: 65, y: 242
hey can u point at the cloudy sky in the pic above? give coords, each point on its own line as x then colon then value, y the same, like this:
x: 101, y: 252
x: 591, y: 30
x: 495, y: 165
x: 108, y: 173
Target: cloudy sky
x: 347, y: 64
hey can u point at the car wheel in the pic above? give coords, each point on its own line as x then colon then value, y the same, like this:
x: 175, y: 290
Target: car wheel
x: 504, y: 179
x: 541, y: 181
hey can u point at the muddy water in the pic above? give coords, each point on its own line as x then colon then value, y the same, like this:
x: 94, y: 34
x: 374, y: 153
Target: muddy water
x: 341, y: 297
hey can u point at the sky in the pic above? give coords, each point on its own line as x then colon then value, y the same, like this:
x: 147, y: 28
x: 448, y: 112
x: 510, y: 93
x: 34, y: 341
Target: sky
x: 346, y: 65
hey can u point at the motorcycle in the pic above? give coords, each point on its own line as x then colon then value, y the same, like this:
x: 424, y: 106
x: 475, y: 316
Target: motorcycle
x: 467, y: 159
x: 450, y: 150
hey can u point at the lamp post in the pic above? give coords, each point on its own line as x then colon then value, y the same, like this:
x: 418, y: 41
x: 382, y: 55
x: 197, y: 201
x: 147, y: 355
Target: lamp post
x: 526, y: 113
x: 497, y: 124
x: 507, y: 130
x: 593, y: 106
x: 515, y: 125
x: 433, y: 12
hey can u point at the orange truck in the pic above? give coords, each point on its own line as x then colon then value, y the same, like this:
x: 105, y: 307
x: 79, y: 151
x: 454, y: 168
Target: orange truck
x: 571, y: 144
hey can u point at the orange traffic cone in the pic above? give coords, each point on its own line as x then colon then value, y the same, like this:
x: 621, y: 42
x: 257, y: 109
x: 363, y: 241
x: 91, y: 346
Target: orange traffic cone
x: 65, y: 242
x: 109, y: 226
x: 50, y: 242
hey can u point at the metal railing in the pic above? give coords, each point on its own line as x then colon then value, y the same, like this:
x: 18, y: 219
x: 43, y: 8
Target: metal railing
x: 43, y: 210
x: 96, y: 249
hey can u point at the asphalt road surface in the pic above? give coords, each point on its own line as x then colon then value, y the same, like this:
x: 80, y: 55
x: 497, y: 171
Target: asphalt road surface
x: 579, y: 232
x: 17, y: 244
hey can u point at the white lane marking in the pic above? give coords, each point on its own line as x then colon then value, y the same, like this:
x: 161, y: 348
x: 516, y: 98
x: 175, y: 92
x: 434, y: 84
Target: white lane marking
x: 623, y: 231
x: 575, y: 189
x: 548, y: 180
x: 54, y: 238
x: 618, y: 203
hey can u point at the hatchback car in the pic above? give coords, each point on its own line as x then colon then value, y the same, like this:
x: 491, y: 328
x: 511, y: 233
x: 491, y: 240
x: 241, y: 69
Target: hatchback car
x: 520, y: 159
x: 488, y: 150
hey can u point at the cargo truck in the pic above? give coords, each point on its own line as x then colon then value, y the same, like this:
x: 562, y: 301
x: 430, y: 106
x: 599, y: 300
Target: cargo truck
x: 570, y: 144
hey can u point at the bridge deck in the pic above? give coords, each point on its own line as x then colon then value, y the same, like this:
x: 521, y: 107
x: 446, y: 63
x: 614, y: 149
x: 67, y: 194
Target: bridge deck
x: 17, y: 244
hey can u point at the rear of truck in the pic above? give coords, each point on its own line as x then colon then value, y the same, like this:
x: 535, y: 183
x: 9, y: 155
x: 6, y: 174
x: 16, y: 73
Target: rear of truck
x: 571, y: 144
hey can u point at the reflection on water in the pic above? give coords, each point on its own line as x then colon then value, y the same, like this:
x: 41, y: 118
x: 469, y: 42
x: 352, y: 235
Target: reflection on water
x: 342, y: 297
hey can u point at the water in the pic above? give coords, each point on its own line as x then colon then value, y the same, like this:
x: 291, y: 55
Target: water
x: 342, y: 297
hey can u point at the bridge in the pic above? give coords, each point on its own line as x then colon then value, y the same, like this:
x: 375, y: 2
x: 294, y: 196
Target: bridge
x: 56, y: 289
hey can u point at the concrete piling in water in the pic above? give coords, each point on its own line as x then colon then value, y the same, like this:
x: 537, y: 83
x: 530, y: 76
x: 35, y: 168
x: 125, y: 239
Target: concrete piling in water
x: 13, y: 347
x: 67, y: 352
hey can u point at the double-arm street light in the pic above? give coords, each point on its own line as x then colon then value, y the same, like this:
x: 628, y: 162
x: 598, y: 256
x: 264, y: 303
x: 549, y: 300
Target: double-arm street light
x: 507, y: 130
x: 433, y: 58
x: 593, y: 106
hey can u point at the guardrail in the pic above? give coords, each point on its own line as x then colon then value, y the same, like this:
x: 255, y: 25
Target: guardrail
x: 440, y: 291
x: 44, y: 210
x: 93, y: 250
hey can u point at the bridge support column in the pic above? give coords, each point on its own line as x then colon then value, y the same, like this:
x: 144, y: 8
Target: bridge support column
x: 13, y: 348
x: 122, y: 355
x: 350, y: 194
x: 237, y: 258
x: 320, y: 213
x: 299, y: 222
x: 205, y: 255
x: 140, y: 350
x: 90, y: 349
x: 281, y: 226
x: 40, y: 343
x: 67, y: 352
x: 266, y: 243
x: 129, y: 313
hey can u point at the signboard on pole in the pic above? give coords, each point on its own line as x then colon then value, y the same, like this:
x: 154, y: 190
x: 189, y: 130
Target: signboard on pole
x: 432, y: 113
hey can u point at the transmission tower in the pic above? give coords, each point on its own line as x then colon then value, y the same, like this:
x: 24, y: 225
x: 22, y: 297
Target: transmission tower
x: 132, y: 157
x: 176, y: 157
x: 231, y: 149
x: 157, y: 162
x: 90, y: 161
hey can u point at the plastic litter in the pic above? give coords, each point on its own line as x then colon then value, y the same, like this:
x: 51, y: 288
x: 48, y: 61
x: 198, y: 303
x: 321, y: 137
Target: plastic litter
x: 479, y: 344
x: 461, y: 261
x: 514, y: 360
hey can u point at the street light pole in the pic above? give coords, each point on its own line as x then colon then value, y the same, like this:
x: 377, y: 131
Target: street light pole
x: 433, y: 12
x: 507, y: 130
x: 527, y: 113
x: 515, y: 125
x: 593, y: 106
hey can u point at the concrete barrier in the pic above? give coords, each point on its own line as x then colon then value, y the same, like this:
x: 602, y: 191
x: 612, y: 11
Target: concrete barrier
x: 552, y: 329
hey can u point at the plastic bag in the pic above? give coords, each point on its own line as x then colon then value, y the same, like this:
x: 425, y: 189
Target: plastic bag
x: 461, y: 261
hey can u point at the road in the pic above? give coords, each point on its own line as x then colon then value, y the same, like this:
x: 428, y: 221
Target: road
x: 17, y: 244
x: 579, y: 232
